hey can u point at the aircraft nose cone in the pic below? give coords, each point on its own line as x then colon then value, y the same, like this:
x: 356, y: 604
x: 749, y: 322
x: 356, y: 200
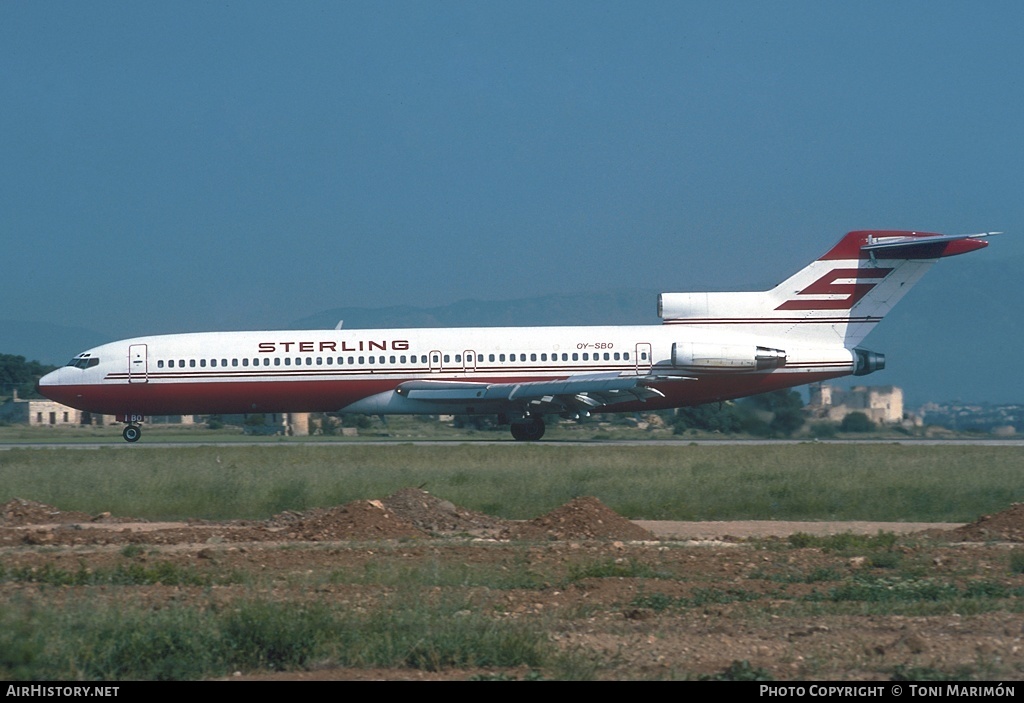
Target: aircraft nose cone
x: 49, y: 385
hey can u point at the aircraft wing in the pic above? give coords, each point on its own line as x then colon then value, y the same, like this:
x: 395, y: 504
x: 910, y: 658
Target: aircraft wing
x: 578, y: 392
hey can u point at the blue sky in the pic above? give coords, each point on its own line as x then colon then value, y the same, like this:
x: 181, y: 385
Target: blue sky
x: 175, y: 166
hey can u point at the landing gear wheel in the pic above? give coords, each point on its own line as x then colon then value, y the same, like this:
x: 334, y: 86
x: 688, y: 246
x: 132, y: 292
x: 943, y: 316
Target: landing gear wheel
x: 529, y: 431
x: 132, y: 433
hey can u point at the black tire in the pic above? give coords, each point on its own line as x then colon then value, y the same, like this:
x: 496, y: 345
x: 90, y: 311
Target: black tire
x: 529, y: 431
x: 132, y: 433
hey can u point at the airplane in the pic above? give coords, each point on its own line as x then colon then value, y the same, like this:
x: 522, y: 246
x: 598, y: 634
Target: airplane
x: 710, y: 347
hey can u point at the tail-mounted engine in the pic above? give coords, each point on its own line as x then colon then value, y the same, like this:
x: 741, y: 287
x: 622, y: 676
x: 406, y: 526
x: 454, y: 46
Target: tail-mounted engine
x: 867, y: 362
x: 709, y: 357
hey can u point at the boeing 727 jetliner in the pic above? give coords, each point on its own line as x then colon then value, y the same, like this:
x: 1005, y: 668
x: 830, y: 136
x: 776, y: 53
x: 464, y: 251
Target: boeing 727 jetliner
x: 710, y: 347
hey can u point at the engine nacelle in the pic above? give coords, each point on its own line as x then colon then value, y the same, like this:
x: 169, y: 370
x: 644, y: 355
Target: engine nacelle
x: 708, y: 356
x: 690, y: 306
x: 867, y: 362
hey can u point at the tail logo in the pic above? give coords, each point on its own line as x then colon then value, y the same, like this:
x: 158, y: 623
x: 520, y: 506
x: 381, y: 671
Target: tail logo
x: 827, y: 285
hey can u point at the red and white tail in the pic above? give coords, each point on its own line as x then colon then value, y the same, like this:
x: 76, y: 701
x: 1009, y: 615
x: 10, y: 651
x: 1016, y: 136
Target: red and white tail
x: 837, y: 299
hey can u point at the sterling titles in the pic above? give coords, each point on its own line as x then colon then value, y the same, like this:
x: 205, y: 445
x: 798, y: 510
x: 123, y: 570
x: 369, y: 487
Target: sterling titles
x: 343, y: 346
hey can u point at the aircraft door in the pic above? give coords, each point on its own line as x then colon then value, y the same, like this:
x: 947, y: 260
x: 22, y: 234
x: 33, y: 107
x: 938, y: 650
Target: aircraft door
x: 643, y: 359
x: 469, y: 361
x: 435, y: 361
x: 138, y: 364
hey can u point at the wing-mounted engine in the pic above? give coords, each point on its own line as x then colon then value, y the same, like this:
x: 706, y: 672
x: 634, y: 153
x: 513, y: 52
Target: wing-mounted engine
x: 709, y: 357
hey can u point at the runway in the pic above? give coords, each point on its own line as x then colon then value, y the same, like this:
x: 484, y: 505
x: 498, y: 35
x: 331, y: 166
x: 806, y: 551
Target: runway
x: 681, y: 443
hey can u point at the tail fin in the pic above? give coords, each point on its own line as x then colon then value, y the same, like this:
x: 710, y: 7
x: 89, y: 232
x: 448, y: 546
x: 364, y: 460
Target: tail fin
x: 837, y: 299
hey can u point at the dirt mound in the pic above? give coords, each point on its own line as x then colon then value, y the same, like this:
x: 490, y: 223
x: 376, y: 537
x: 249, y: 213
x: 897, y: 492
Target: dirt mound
x: 18, y: 511
x: 580, y: 518
x: 438, y: 516
x: 1007, y: 526
x: 410, y: 512
x: 360, y: 519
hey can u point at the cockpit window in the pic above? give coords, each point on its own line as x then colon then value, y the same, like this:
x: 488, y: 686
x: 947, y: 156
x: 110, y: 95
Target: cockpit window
x: 84, y: 361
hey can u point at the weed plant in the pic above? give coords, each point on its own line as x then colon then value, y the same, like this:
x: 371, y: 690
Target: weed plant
x: 82, y: 641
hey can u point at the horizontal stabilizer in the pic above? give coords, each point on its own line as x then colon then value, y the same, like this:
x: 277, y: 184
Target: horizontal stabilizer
x: 928, y: 245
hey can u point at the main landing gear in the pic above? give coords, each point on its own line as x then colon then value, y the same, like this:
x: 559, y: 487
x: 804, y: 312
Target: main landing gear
x: 132, y: 433
x: 529, y: 430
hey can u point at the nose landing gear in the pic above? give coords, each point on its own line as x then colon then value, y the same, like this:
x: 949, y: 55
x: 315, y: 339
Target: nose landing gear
x: 132, y: 433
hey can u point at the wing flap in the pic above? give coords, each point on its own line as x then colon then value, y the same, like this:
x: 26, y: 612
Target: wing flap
x: 582, y: 390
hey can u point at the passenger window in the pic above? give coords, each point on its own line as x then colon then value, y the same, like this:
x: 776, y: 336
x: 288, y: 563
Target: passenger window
x: 181, y: 363
x: 234, y: 362
x: 245, y: 362
x: 533, y: 357
x: 277, y: 361
x: 160, y: 364
x: 607, y: 356
x: 447, y: 358
x: 287, y: 361
x: 192, y: 363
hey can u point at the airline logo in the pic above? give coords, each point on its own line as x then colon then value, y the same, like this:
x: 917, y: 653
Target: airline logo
x: 851, y: 284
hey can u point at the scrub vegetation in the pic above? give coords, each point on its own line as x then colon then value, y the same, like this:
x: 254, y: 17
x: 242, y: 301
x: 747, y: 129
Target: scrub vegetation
x: 841, y: 606
x: 809, y: 481
x: 784, y: 609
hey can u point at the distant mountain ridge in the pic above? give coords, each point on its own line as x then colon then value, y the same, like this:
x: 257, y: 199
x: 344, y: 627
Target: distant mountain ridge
x: 618, y: 307
x: 956, y: 336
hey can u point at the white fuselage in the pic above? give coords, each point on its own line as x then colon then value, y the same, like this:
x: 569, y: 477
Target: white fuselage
x: 358, y: 370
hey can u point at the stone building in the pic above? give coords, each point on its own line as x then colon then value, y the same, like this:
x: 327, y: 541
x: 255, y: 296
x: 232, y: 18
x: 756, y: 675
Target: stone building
x: 41, y: 412
x: 882, y: 404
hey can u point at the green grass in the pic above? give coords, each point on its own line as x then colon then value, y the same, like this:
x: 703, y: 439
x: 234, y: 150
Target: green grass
x: 164, y: 573
x: 677, y: 482
x: 83, y: 641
